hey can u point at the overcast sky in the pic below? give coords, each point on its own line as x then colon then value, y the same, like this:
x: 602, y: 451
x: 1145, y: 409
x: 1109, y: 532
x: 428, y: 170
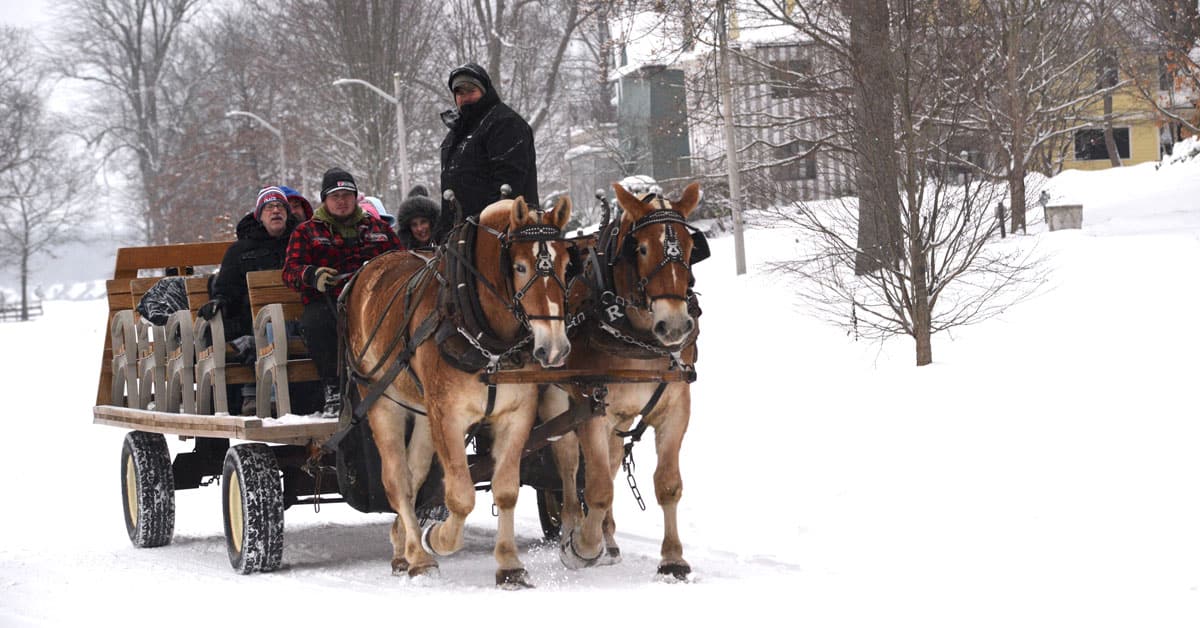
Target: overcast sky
x: 26, y: 13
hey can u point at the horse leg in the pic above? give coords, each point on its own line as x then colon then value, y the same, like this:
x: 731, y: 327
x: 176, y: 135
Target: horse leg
x: 668, y: 489
x: 388, y: 428
x: 446, y: 537
x: 616, y: 453
x: 588, y: 542
x: 552, y: 402
x: 420, y: 453
x: 511, y: 432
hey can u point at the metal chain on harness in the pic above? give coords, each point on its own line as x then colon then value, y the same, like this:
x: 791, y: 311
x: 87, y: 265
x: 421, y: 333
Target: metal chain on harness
x: 316, y: 471
x: 629, y: 467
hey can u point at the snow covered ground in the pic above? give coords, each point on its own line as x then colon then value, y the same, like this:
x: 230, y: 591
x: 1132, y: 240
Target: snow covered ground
x: 1042, y: 472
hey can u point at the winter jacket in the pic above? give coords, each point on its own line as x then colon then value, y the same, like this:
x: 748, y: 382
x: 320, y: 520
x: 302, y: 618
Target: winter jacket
x: 317, y: 243
x: 488, y: 145
x: 255, y: 249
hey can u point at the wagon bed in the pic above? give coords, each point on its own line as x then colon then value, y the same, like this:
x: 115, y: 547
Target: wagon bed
x: 290, y: 430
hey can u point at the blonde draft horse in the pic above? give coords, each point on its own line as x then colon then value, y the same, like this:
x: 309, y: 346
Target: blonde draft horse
x: 529, y: 241
x: 652, y: 277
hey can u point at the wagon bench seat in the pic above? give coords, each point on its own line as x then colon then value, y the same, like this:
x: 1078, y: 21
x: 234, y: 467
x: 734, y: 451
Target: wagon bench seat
x: 292, y: 430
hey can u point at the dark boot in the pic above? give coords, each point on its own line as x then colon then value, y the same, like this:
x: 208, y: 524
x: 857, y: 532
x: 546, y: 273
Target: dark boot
x: 333, y: 402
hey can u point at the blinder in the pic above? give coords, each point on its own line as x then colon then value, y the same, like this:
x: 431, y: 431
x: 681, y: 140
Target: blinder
x: 700, y: 249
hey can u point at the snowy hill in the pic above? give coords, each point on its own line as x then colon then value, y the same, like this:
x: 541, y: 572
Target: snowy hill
x: 1043, y: 471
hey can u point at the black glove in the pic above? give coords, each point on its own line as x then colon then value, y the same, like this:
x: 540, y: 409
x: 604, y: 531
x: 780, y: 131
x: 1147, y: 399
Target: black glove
x: 319, y: 277
x: 210, y: 309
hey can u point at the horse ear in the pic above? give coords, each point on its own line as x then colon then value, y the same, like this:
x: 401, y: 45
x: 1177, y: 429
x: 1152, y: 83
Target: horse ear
x: 630, y: 203
x: 689, y: 200
x: 562, y: 211
x: 520, y: 212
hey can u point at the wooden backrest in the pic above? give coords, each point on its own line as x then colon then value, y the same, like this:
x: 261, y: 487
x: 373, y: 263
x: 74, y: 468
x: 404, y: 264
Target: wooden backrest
x: 180, y: 256
x: 131, y: 260
x: 197, y: 292
x: 266, y: 286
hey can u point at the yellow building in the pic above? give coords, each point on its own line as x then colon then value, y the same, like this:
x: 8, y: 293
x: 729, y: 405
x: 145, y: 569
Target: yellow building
x: 1135, y: 131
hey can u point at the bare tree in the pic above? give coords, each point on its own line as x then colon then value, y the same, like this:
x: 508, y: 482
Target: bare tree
x: 945, y: 268
x: 20, y: 104
x: 126, y: 49
x: 1033, y: 84
x: 41, y: 201
x: 1162, y: 36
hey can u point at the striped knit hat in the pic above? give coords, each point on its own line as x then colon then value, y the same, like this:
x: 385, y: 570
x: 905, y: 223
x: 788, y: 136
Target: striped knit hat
x: 268, y: 195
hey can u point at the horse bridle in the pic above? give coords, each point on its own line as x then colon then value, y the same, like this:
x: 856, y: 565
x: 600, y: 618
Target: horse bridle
x: 672, y: 249
x: 543, y: 267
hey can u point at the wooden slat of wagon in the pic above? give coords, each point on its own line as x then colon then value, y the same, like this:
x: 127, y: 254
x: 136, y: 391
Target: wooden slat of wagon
x: 588, y: 376
x: 225, y: 426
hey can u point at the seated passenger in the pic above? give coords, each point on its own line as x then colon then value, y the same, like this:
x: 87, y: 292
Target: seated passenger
x: 262, y: 239
x: 416, y: 218
x: 322, y: 253
x: 301, y: 208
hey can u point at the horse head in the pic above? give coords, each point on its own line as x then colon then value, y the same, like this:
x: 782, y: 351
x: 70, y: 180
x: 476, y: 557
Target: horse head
x: 535, y: 257
x: 657, y: 244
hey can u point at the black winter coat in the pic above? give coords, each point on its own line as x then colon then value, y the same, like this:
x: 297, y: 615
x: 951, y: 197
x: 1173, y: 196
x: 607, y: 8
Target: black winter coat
x: 255, y: 249
x: 488, y: 145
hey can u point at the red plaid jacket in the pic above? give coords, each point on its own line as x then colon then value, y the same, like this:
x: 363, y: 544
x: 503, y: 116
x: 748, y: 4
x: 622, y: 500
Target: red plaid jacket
x: 314, y: 244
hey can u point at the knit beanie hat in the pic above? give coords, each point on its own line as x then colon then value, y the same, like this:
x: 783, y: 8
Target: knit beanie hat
x: 267, y: 195
x: 336, y: 179
x: 465, y: 78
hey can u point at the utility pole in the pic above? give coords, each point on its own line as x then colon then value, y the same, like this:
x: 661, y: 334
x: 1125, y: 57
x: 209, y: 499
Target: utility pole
x: 731, y: 158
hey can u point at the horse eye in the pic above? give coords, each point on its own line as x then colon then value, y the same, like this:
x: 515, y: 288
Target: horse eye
x: 520, y: 268
x: 642, y: 249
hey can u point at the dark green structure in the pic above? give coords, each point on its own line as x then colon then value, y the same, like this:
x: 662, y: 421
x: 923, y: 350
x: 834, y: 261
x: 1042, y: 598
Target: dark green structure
x: 652, y: 123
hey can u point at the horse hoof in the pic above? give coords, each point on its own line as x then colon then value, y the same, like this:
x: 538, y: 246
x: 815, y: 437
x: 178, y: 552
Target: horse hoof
x: 399, y: 566
x: 428, y: 571
x: 676, y: 571
x: 570, y: 557
x: 425, y: 544
x: 612, y: 555
x: 513, y: 579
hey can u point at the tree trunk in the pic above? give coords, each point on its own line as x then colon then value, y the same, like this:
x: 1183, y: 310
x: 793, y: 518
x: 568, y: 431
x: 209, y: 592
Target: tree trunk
x: 879, y: 237
x: 25, y: 285
x: 1110, y: 142
x: 1016, y: 113
x: 1016, y: 191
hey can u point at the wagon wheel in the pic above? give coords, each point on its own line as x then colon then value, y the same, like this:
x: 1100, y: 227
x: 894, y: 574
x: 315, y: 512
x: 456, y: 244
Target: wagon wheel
x: 549, y: 503
x: 147, y: 489
x: 252, y: 504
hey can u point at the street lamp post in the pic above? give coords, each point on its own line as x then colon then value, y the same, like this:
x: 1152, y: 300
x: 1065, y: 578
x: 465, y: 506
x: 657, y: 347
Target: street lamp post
x: 401, y: 131
x: 278, y: 134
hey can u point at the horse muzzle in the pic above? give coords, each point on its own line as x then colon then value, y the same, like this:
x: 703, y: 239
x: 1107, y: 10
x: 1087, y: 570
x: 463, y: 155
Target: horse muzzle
x: 551, y: 347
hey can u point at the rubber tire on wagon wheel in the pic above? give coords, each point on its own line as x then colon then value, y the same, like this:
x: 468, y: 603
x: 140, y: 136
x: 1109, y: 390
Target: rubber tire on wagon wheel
x: 252, y: 505
x: 147, y: 489
x: 549, y: 503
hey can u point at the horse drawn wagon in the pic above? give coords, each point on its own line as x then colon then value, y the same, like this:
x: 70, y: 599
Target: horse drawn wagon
x: 406, y: 325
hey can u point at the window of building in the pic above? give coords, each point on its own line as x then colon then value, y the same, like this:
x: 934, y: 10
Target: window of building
x: 791, y: 78
x: 1089, y: 143
x: 798, y: 166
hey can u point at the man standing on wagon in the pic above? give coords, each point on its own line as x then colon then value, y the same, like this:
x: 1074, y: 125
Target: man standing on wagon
x: 322, y: 252
x: 488, y: 145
